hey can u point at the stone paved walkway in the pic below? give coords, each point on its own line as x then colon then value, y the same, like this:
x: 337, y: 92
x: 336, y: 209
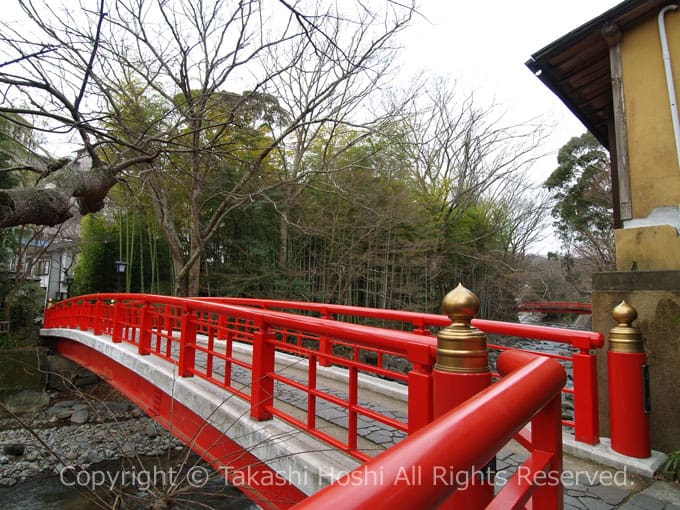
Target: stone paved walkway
x: 591, y: 486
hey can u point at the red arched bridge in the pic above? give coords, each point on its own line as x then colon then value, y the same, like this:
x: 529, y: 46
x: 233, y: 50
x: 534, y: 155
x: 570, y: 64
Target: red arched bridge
x: 311, y: 405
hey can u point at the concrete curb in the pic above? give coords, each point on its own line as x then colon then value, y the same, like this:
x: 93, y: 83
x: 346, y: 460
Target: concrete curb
x: 602, y: 453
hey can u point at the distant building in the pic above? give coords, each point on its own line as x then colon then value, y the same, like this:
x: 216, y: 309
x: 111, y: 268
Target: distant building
x: 48, y: 259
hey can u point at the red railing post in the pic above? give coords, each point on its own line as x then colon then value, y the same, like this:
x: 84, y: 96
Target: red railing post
x: 117, y: 326
x: 107, y: 312
x: 84, y: 319
x: 222, y: 326
x: 419, y: 327
x: 145, y: 326
x: 628, y: 386
x: 546, y: 436
x: 78, y: 315
x: 169, y: 320
x: 262, y: 387
x: 97, y: 318
x: 419, y: 398
x: 586, y: 406
x: 92, y: 313
x: 187, y: 346
x: 325, y: 345
x: 462, y: 370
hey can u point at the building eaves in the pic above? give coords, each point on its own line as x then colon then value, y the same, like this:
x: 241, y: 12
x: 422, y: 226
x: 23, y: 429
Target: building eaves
x: 576, y: 66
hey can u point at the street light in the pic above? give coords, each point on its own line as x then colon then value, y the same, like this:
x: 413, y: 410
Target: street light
x: 121, y: 265
x: 69, y: 281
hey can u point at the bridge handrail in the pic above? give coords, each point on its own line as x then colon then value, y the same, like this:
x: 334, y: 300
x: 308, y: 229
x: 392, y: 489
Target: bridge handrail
x: 463, y: 440
x: 579, y: 339
x: 418, y: 346
x: 586, y: 406
x: 399, y: 341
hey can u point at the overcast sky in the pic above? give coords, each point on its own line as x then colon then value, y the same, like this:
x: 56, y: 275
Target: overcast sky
x: 484, y: 45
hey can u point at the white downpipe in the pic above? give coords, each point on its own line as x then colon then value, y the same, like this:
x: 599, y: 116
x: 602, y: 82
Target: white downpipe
x: 669, y: 75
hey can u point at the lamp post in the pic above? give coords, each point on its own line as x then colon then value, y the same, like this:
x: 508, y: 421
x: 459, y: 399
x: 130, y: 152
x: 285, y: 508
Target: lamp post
x: 121, y: 266
x: 68, y: 279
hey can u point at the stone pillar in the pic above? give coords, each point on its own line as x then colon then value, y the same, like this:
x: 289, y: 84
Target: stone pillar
x: 656, y: 297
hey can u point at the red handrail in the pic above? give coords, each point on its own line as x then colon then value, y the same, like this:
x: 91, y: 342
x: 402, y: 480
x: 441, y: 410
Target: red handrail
x: 425, y: 469
x: 577, y: 338
x: 586, y: 406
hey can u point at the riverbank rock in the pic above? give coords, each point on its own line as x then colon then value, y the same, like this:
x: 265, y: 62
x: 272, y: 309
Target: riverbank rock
x: 16, y: 449
x: 63, y: 374
x: 8, y: 482
x: 80, y: 416
x: 150, y: 430
x: 79, y: 430
x: 26, y: 400
x: 22, y: 379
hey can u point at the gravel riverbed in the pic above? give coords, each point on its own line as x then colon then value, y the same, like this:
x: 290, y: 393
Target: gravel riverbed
x: 78, y: 430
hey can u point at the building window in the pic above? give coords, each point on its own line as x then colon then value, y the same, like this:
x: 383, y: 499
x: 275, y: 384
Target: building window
x: 42, y: 267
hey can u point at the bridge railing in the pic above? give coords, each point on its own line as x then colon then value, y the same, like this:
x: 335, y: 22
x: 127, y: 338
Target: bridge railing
x: 443, y: 459
x: 578, y: 346
x: 205, y: 339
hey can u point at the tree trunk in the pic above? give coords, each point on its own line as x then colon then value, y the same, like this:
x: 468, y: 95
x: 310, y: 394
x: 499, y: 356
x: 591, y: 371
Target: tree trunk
x: 76, y: 187
x: 180, y: 277
x: 194, y: 278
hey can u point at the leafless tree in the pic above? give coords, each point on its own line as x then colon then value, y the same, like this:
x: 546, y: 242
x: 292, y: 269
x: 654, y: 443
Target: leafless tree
x: 146, y: 88
x: 464, y: 151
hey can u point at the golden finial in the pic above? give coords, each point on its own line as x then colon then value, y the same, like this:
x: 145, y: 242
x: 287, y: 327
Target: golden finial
x: 625, y: 337
x: 461, y: 347
x: 624, y: 314
x: 461, y: 304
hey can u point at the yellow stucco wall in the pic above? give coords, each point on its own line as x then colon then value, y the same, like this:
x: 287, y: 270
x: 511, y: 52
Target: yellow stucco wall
x: 654, y: 169
x: 647, y: 249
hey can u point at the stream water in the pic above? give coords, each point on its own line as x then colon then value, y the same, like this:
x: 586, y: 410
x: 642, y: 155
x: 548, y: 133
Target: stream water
x: 130, y: 485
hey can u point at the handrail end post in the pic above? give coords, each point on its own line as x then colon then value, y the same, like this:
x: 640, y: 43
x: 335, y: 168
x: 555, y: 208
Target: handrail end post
x: 145, y: 330
x: 460, y: 372
x: 629, y: 406
x: 586, y: 403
